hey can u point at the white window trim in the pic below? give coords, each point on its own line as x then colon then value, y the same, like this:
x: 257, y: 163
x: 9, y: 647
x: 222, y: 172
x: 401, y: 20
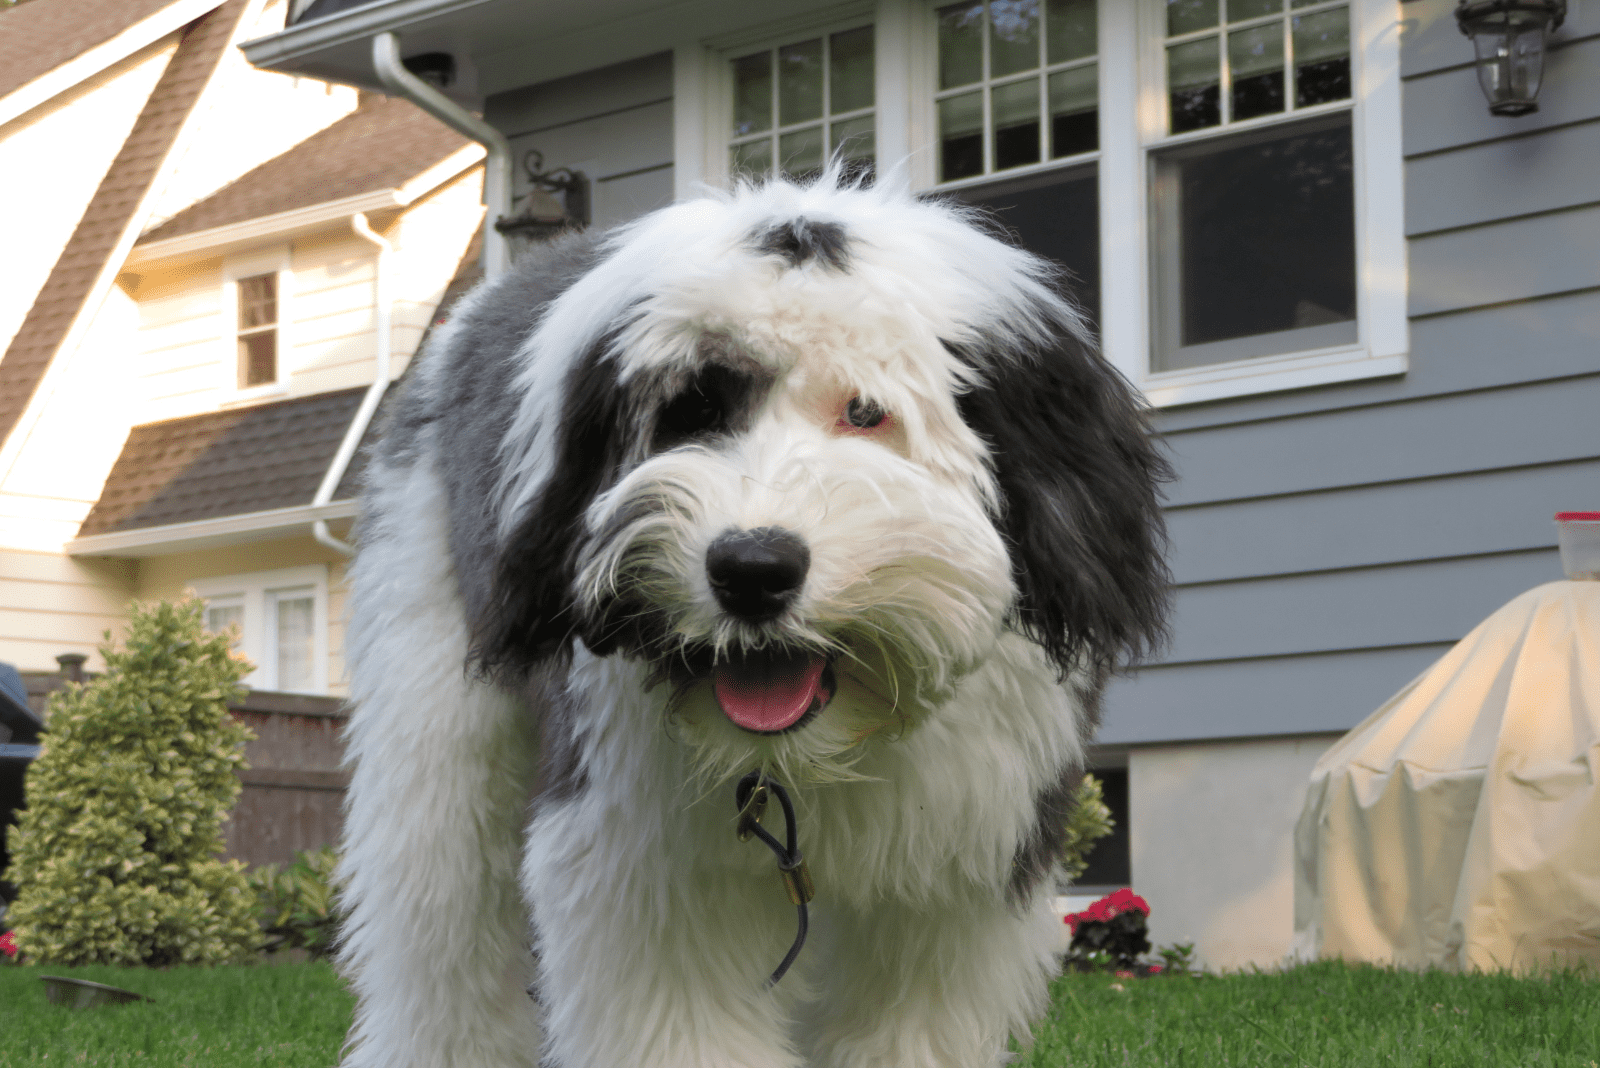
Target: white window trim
x: 703, y: 82
x: 254, y: 587
x: 1131, y: 122
x: 246, y: 265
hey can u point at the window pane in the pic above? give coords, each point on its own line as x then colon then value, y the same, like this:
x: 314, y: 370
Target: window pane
x: 1257, y: 236
x: 753, y: 159
x: 1057, y: 215
x: 801, y: 153
x: 1016, y: 124
x: 296, y: 643
x: 1013, y: 36
x: 219, y: 617
x: 1239, y: 10
x: 800, y: 82
x: 752, y: 94
x: 960, y: 45
x: 1074, y: 111
x: 960, y: 136
x: 850, y: 72
x: 1186, y: 16
x: 1321, y: 57
x: 258, y: 358
x: 1194, y: 85
x: 1255, y: 59
x: 855, y: 140
x: 1070, y: 29
x: 258, y: 301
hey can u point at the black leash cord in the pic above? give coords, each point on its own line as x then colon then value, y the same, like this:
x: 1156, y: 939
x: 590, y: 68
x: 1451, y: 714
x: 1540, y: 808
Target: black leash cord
x: 751, y: 798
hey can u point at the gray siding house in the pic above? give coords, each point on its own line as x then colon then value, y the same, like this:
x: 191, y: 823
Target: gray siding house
x: 1365, y: 311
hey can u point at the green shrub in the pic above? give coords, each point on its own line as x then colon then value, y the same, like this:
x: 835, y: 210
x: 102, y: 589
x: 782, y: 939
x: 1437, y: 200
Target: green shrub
x: 296, y: 906
x: 1089, y: 821
x: 115, y: 858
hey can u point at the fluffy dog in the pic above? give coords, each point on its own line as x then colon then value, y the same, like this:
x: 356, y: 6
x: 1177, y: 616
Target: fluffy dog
x: 823, y: 480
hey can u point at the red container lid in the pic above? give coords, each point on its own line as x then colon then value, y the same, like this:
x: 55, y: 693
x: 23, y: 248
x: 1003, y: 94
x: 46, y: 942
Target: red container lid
x: 1578, y: 517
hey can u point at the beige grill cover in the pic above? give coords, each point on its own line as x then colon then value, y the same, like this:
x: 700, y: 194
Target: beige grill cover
x: 1459, y: 825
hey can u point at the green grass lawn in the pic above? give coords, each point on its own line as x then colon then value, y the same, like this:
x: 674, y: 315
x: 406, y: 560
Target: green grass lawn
x: 284, y: 1015
x: 1324, y: 1015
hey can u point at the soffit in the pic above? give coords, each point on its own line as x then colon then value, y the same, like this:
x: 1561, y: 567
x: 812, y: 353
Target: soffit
x: 505, y: 44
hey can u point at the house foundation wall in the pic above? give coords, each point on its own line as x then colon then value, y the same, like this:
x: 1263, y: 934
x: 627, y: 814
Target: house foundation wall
x: 1212, y: 840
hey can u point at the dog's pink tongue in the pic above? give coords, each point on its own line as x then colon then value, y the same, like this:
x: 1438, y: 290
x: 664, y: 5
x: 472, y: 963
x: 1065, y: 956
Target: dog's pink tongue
x: 768, y: 692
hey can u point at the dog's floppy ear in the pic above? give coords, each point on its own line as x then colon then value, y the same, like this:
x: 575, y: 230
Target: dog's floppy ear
x: 1077, y: 473
x: 531, y: 614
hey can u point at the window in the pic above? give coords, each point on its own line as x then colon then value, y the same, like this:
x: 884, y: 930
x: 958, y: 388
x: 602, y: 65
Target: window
x: 1253, y: 214
x: 1222, y: 177
x: 256, y: 315
x: 796, y: 105
x: 258, y: 330
x: 281, y: 621
x: 1018, y: 84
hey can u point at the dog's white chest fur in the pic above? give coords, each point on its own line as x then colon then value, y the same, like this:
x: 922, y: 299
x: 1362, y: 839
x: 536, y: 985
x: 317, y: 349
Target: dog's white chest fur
x: 826, y: 482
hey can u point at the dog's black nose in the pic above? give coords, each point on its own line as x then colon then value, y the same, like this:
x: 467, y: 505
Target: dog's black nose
x: 756, y: 573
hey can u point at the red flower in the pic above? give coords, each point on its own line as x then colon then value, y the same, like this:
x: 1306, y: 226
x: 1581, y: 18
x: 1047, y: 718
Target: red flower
x: 8, y: 944
x: 1155, y: 969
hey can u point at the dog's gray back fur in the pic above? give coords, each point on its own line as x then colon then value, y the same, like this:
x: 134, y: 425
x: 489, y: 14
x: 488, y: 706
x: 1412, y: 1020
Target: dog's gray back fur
x: 463, y: 397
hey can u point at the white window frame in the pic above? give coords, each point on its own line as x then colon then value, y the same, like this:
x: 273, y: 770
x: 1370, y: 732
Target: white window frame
x: 1132, y: 127
x: 712, y: 89
x: 255, y: 590
x: 274, y: 261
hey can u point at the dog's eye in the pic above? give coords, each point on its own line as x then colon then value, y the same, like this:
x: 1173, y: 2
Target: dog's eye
x: 691, y: 412
x: 864, y: 414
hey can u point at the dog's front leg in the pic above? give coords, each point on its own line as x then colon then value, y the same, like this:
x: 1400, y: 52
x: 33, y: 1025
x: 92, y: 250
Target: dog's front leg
x: 436, y: 936
x: 653, y: 949
x: 924, y: 988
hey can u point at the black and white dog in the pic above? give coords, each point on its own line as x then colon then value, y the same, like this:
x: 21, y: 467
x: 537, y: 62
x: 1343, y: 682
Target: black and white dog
x: 825, y: 481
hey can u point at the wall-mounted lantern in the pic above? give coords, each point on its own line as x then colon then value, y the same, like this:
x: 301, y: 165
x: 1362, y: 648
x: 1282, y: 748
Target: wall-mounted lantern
x: 543, y: 216
x: 1509, y: 37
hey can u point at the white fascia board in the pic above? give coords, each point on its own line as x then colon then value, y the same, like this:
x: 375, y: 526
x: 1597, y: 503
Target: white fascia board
x: 281, y: 50
x: 169, y: 19
x: 441, y: 172
x: 267, y: 226
x: 210, y: 533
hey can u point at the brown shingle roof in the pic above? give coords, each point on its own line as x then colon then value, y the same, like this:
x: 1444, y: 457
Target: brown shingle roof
x: 382, y: 146
x: 223, y: 463
x: 37, y: 37
x: 113, y: 208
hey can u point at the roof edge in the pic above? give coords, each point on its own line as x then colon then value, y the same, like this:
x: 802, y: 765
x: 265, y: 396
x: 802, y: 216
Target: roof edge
x: 297, y: 220
x: 81, y: 68
x: 308, y: 38
x: 210, y: 533
x: 265, y: 226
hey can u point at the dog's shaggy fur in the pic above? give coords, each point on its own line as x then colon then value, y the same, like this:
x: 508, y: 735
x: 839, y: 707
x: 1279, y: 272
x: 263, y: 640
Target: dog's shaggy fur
x: 960, y: 496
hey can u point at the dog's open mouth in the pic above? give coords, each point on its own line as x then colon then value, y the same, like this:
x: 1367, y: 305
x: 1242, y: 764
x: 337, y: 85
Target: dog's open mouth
x: 773, y: 690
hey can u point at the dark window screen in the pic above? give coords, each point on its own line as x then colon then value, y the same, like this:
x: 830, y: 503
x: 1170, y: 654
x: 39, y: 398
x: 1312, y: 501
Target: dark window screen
x: 1111, y: 860
x: 1056, y: 215
x: 1263, y: 229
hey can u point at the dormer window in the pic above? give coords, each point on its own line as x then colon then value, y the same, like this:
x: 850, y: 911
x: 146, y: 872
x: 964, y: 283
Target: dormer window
x: 258, y: 330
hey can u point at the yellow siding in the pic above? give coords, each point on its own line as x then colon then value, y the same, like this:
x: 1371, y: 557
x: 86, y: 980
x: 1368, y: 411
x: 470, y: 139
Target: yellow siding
x: 52, y: 604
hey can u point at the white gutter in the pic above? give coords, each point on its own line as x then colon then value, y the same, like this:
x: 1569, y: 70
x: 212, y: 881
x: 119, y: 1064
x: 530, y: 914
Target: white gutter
x: 369, y: 403
x: 209, y: 533
x: 497, y: 167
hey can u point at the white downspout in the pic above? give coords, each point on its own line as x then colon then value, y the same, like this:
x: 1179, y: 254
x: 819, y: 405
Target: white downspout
x: 496, y: 166
x: 369, y: 403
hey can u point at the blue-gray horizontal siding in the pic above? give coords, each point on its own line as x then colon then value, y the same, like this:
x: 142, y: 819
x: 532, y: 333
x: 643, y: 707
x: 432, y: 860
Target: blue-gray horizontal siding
x: 1329, y: 544
x: 613, y: 124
